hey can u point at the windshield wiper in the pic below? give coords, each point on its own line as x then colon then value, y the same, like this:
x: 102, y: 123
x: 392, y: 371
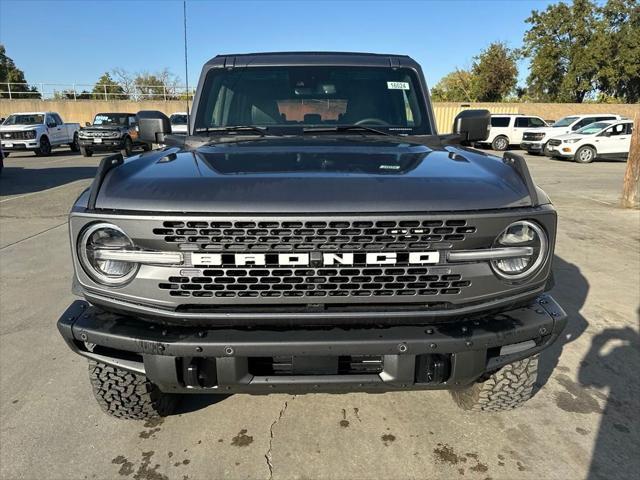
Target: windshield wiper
x: 234, y: 129
x: 345, y: 128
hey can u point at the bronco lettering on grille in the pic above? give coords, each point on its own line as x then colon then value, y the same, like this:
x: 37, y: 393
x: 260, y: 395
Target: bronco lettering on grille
x: 305, y: 259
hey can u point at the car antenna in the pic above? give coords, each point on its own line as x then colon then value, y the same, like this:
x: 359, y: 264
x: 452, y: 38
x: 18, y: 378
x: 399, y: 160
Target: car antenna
x: 186, y: 64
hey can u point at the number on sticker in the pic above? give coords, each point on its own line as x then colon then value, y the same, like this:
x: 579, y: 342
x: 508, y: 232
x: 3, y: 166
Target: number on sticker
x: 398, y: 85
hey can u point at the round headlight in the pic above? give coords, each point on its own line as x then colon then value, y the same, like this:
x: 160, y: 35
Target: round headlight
x: 521, y: 234
x: 100, y: 237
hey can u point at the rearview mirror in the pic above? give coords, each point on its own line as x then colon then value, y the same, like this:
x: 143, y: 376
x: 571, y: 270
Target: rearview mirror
x: 153, y: 126
x: 472, y: 125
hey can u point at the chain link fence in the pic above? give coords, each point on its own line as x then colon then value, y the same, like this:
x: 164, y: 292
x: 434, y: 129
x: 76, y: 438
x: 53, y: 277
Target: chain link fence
x: 82, y: 91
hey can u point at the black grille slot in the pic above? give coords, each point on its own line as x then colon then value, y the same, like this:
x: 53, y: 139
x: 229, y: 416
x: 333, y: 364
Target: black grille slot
x: 258, y: 281
x: 343, y: 236
x: 287, y: 365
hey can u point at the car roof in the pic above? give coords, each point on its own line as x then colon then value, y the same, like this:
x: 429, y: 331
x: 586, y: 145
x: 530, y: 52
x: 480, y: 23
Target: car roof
x: 30, y: 113
x: 312, y: 58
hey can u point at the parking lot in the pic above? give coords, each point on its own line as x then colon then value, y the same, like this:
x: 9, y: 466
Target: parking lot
x: 583, y: 423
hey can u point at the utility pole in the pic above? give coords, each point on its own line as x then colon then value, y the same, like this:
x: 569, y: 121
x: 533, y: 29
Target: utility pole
x: 631, y: 185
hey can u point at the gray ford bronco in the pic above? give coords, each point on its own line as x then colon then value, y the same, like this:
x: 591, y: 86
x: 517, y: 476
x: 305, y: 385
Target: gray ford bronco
x: 311, y: 233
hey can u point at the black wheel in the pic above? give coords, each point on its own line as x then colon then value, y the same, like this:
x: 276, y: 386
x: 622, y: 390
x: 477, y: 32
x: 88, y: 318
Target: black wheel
x: 85, y: 151
x: 585, y: 155
x: 500, y: 143
x: 74, y: 146
x: 146, y: 147
x: 127, y: 149
x: 45, y: 147
x: 124, y: 394
x: 508, y: 388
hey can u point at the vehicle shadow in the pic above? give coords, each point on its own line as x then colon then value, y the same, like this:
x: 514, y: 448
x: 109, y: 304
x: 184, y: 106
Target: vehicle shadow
x: 612, y: 362
x: 193, y: 403
x: 21, y: 180
x: 570, y: 291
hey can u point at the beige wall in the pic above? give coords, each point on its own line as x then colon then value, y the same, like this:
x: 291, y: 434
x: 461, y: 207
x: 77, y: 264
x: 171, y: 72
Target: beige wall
x: 84, y: 110
x: 81, y: 111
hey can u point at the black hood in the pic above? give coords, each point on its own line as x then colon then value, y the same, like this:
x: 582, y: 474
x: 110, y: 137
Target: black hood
x: 313, y: 175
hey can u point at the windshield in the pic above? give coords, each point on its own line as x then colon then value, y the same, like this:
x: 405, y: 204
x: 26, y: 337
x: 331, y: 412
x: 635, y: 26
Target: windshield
x: 178, y: 119
x: 565, y: 122
x: 118, y: 119
x: 593, y: 128
x: 286, y: 98
x: 24, y: 119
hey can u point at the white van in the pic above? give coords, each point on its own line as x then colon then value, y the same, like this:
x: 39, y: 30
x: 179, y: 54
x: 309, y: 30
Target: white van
x: 507, y: 129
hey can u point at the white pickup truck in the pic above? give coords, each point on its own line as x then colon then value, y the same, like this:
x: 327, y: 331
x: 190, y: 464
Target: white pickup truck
x: 37, y: 132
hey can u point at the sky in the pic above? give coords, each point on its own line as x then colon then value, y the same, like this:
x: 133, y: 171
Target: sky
x: 67, y: 42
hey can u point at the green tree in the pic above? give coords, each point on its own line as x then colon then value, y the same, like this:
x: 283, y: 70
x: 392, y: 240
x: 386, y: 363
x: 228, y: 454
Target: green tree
x: 559, y: 43
x: 617, y: 42
x: 9, y: 73
x: 495, y: 73
x: 107, y: 85
x: 457, y: 86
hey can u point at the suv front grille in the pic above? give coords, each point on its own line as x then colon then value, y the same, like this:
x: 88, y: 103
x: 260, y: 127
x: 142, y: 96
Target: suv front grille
x: 286, y: 236
x: 257, y: 281
x: 554, y: 142
x: 535, y: 136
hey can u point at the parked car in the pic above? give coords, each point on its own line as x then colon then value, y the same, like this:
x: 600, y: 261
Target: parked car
x: 535, y: 141
x: 609, y: 139
x: 111, y: 132
x: 299, y: 243
x: 507, y: 129
x: 37, y: 132
x: 179, y: 122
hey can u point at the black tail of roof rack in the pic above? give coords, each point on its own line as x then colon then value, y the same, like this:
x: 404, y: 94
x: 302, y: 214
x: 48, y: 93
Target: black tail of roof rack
x: 106, y: 164
x: 520, y: 166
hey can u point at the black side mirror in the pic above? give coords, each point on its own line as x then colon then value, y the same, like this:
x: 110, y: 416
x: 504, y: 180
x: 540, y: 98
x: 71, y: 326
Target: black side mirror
x: 87, y: 124
x: 153, y: 126
x: 472, y: 125
x: 605, y: 134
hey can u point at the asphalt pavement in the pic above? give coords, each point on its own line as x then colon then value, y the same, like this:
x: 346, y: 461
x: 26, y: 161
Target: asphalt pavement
x: 582, y: 423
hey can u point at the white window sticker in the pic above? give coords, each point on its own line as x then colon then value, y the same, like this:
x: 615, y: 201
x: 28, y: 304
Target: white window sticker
x: 398, y: 85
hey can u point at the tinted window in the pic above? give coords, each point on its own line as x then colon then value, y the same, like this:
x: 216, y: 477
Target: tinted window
x: 629, y: 128
x: 178, y: 119
x: 57, y: 118
x: 500, y: 121
x: 50, y: 120
x: 536, y: 122
x: 292, y: 97
x: 565, y: 122
x: 24, y: 119
x: 116, y: 119
x: 600, y: 119
x: 584, y: 122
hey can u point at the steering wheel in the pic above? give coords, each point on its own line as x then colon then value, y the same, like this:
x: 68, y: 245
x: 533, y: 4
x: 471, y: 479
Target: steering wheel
x: 375, y: 121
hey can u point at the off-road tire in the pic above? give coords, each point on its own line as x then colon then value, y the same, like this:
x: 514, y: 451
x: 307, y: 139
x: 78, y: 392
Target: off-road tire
x: 74, y: 145
x: 128, y: 395
x: 506, y: 389
x: 127, y: 148
x: 585, y: 154
x: 500, y: 143
x: 85, y: 152
x: 45, y: 147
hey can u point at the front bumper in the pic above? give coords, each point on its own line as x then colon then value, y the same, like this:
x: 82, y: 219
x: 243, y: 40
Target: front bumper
x: 532, y: 146
x: 107, y: 144
x: 200, y: 360
x: 561, y: 150
x: 19, y: 145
